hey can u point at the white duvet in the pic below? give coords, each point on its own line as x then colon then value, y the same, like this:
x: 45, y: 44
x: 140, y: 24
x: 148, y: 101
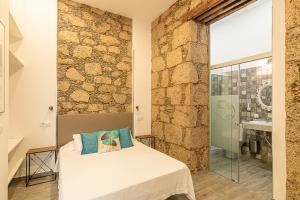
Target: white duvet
x: 137, y: 173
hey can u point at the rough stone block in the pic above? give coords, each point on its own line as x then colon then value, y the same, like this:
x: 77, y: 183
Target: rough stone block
x: 120, y: 98
x: 173, y: 134
x: 74, y: 20
x: 63, y: 86
x: 102, y: 80
x: 185, y: 116
x: 88, y: 87
x: 154, y: 112
x: 114, y: 49
x: 158, y: 64
x: 175, y: 94
x: 103, y: 28
x: 105, y: 98
x: 155, y: 80
x: 196, y: 138
x: 185, y: 73
x: 129, y: 80
x: 185, y: 33
x: 93, y: 68
x: 82, y: 51
x: 174, y: 58
x: 125, y: 35
x: 109, y: 40
x: 95, y: 107
x: 100, y: 48
x: 196, y: 94
x: 109, y: 59
x: 80, y: 96
x: 74, y: 75
x: 63, y: 48
x: 158, y: 31
x: 107, y: 88
x: 197, y: 53
x: 158, y: 96
x: 62, y: 7
x: 165, y: 78
x: 124, y: 66
x: 164, y: 117
x: 292, y: 9
x: 68, y: 36
x: 158, y: 130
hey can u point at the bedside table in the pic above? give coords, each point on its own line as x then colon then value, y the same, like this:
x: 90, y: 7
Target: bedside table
x: 147, y: 140
x: 35, y: 155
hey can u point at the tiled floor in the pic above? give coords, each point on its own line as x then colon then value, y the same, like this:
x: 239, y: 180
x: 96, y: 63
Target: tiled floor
x: 208, y: 186
x: 252, y: 174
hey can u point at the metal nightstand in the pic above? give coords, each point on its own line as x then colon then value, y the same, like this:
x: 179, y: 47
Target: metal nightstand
x: 147, y: 140
x: 43, y: 167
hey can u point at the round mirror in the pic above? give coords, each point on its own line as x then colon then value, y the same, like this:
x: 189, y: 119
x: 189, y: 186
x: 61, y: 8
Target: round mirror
x: 264, y: 96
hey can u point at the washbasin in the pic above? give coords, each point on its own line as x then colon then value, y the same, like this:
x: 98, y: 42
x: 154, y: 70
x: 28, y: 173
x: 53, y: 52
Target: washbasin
x: 259, y: 125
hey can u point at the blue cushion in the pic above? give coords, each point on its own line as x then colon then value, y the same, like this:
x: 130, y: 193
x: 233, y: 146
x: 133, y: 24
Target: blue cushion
x: 89, y: 142
x: 125, y: 138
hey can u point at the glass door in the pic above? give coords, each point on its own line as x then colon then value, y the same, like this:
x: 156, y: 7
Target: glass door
x: 224, y: 123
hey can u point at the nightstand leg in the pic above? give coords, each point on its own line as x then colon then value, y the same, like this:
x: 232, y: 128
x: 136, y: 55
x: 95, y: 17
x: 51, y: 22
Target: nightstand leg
x: 26, y: 170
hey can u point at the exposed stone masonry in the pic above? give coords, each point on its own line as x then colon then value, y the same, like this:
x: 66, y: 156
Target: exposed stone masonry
x: 293, y: 98
x: 180, y: 84
x: 94, y: 60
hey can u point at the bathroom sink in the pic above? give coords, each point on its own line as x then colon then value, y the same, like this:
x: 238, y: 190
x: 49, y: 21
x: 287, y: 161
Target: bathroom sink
x: 259, y: 125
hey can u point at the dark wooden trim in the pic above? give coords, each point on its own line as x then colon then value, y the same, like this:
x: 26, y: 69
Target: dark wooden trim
x: 144, y: 136
x: 42, y: 150
x: 230, y: 11
x: 201, y: 8
x: 209, y: 11
x: 214, y: 10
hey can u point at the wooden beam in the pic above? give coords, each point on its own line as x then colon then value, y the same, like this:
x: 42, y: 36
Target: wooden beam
x: 229, y: 11
x: 209, y: 11
x: 201, y: 8
x: 214, y: 10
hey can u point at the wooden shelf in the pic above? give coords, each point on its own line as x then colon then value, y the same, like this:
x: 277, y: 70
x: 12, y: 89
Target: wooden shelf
x: 14, y: 63
x: 13, y: 143
x: 14, y: 170
x: 14, y: 31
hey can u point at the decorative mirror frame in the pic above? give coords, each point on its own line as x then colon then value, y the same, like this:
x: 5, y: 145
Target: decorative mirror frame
x: 259, y: 93
x: 2, y: 67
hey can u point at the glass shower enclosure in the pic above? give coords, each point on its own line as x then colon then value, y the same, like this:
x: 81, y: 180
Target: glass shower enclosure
x: 232, y: 101
x: 225, y: 121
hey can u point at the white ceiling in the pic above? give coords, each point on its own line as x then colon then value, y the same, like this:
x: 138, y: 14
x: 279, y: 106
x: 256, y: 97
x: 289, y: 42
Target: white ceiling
x: 142, y: 9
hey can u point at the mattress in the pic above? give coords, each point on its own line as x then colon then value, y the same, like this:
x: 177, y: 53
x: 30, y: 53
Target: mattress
x: 136, y: 173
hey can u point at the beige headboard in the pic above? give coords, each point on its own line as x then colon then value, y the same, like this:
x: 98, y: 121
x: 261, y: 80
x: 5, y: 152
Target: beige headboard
x: 67, y: 125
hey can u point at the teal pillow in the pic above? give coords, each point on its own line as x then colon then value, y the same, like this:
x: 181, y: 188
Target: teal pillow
x: 125, y: 138
x: 89, y: 142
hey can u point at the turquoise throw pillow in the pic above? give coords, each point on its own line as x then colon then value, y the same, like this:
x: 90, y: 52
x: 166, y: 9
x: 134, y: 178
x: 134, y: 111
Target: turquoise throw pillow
x: 125, y: 138
x: 89, y: 142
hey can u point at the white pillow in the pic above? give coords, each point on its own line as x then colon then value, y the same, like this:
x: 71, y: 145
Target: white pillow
x: 77, y: 143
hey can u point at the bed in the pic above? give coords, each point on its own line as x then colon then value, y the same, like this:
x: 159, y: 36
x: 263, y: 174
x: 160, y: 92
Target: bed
x: 136, y: 173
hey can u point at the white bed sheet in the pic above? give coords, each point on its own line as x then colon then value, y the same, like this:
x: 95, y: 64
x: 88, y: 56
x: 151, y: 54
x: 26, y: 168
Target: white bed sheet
x: 137, y: 173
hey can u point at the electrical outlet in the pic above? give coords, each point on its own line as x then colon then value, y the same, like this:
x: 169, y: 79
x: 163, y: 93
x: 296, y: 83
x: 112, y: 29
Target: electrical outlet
x: 45, y: 124
x: 140, y: 119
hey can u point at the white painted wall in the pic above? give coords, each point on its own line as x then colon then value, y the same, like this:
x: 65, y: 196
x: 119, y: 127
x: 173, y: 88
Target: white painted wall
x: 279, y: 114
x: 142, y: 75
x: 245, y: 33
x: 33, y: 88
x: 4, y: 116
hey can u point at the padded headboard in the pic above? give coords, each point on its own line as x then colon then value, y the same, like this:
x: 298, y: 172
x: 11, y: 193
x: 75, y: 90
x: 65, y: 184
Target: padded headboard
x: 67, y: 125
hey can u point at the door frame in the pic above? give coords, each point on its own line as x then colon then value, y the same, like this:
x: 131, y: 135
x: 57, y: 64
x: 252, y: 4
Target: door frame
x: 279, y: 113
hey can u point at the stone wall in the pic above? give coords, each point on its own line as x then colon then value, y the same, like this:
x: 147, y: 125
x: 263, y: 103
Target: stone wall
x: 180, y: 85
x: 293, y: 98
x: 94, y: 60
